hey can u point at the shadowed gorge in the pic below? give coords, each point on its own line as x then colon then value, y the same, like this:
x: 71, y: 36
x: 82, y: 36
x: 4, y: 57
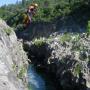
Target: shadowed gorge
x: 54, y: 80
x: 48, y: 46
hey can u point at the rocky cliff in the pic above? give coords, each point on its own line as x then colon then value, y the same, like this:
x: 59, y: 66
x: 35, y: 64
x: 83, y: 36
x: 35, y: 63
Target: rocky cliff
x: 13, y: 60
x: 66, y: 57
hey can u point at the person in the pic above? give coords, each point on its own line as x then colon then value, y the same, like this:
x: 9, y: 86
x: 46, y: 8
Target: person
x: 31, y: 10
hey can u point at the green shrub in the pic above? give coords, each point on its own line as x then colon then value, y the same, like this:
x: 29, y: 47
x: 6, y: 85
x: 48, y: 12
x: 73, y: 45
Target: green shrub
x: 88, y: 28
x: 8, y: 31
x: 77, y: 69
x: 20, y: 27
x: 77, y: 37
x: 39, y: 42
x: 46, y: 12
x: 21, y: 72
x: 65, y: 37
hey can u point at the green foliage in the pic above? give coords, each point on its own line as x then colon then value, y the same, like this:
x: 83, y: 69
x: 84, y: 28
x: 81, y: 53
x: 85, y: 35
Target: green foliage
x: 76, y: 37
x: 8, y: 31
x: 39, y: 42
x: 21, y: 72
x: 77, y: 46
x: 62, y: 8
x: 65, y: 37
x: 20, y: 27
x: 77, y: 69
x: 88, y: 28
x: 47, y: 11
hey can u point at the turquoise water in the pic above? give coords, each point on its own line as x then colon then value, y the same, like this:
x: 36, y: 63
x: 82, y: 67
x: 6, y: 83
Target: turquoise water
x: 40, y: 80
x: 36, y: 82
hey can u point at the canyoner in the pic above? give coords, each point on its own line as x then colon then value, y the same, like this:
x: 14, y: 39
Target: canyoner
x: 31, y: 11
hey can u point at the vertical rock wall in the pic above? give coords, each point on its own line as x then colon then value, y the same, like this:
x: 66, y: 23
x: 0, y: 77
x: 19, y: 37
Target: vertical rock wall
x: 13, y: 60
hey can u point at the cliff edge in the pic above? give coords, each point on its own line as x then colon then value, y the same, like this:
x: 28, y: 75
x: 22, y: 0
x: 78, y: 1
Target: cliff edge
x: 13, y: 60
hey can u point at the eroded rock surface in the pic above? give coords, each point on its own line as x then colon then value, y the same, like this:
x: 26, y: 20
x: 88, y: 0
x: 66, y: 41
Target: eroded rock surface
x: 68, y: 60
x: 13, y: 60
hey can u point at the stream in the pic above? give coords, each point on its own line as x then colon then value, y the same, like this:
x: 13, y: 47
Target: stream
x: 39, y: 81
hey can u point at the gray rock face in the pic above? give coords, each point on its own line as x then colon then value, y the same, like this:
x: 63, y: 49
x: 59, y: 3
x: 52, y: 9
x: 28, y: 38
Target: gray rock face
x: 69, y: 59
x: 13, y: 60
x: 71, y: 55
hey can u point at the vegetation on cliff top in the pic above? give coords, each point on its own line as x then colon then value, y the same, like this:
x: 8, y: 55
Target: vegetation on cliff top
x: 48, y: 10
